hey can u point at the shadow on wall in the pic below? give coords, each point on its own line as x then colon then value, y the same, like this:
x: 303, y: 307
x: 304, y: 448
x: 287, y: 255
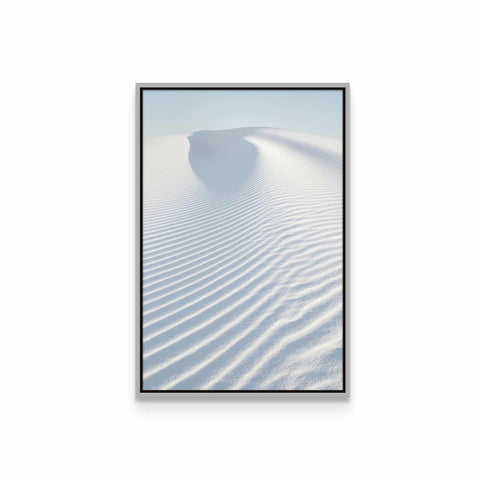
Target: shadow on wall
x: 222, y: 159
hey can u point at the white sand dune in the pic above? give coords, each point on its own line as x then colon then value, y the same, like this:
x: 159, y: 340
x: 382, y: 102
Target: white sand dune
x: 242, y: 261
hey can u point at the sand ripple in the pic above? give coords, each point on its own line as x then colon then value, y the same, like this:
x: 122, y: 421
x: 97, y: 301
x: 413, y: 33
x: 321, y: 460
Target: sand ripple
x: 242, y: 261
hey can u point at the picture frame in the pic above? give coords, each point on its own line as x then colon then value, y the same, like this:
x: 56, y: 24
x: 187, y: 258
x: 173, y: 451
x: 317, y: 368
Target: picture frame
x: 141, y: 88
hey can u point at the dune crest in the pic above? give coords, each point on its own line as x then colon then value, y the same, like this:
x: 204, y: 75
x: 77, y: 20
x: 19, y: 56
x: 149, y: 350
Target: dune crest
x: 222, y: 159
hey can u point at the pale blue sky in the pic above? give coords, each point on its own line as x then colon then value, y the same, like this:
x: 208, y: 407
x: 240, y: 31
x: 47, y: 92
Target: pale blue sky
x: 185, y: 111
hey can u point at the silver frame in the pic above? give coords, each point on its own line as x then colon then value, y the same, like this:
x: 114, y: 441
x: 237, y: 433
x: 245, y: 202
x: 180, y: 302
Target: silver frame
x: 239, y: 395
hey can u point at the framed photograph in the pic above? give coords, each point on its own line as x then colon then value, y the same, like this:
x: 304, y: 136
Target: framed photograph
x: 241, y: 238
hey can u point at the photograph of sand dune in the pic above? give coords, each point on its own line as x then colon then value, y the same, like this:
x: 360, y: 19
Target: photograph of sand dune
x: 241, y: 238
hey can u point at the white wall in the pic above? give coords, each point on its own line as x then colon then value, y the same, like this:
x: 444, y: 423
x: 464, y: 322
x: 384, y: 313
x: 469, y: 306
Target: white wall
x: 67, y: 256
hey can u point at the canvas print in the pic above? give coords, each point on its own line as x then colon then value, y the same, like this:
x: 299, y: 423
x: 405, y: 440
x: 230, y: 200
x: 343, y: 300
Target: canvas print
x: 242, y: 239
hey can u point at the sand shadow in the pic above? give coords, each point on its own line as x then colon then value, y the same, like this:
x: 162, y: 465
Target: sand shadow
x: 222, y: 159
